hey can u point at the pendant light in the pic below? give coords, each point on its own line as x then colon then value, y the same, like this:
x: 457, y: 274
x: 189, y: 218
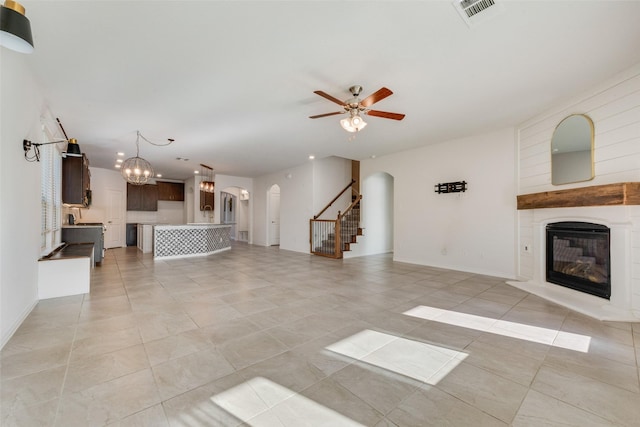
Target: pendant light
x: 207, y: 177
x: 15, y: 28
x: 136, y: 170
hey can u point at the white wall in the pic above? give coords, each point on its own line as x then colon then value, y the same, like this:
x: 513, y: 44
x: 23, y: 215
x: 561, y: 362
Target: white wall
x: 330, y: 176
x: 21, y: 106
x: 296, y: 207
x: 376, y: 214
x: 472, y: 231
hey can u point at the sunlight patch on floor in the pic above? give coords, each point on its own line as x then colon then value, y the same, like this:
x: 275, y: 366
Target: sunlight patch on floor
x: 505, y: 328
x: 424, y: 362
x: 261, y: 402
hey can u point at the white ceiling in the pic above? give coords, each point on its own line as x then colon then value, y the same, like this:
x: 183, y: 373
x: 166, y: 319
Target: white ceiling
x: 232, y: 81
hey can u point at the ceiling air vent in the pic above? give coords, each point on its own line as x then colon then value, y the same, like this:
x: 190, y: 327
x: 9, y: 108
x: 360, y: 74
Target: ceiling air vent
x: 475, y: 11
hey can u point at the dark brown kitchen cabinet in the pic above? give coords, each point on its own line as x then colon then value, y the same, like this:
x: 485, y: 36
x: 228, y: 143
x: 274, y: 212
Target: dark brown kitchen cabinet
x: 142, y: 197
x: 76, y: 181
x: 173, y: 191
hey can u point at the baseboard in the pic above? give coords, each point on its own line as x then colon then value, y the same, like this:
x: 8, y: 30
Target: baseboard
x: 7, y: 336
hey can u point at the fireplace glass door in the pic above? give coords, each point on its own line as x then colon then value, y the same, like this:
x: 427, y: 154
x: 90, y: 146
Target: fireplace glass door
x: 578, y: 257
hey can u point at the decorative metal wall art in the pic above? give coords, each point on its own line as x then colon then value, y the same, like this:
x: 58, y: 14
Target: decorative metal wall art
x: 451, y: 187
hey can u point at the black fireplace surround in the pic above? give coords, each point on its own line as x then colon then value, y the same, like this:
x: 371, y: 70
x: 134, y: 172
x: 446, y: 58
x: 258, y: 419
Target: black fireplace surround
x: 578, y: 257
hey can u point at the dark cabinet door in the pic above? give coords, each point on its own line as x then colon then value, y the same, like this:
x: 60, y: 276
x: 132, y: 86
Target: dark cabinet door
x: 142, y: 197
x: 173, y: 191
x: 150, y: 197
x: 134, y: 197
x: 76, y: 181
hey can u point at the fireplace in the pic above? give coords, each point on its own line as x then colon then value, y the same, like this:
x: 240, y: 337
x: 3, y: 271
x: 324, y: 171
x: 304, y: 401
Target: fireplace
x: 578, y: 257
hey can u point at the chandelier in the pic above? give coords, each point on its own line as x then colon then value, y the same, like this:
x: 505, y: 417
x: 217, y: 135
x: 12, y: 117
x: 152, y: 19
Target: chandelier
x: 207, y: 179
x: 136, y: 170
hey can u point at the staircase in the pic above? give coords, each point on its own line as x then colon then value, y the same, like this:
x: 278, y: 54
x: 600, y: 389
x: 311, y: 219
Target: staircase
x: 330, y: 238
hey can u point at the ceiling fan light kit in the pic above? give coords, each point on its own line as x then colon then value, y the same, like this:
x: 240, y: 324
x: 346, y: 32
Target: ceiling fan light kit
x: 354, y: 106
x: 355, y: 123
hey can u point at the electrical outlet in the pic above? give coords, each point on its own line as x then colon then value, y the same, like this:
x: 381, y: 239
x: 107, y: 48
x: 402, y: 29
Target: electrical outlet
x: 26, y: 144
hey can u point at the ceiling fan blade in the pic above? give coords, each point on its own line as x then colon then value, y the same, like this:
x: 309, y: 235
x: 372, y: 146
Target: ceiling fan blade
x: 329, y: 97
x: 375, y: 97
x: 385, y: 114
x: 326, y: 114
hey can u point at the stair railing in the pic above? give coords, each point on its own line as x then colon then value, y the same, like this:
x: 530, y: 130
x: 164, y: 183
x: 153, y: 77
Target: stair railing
x: 353, y: 181
x: 327, y: 237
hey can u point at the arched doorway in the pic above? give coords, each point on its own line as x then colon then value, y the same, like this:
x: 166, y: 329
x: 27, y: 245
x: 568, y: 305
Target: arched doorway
x: 234, y: 210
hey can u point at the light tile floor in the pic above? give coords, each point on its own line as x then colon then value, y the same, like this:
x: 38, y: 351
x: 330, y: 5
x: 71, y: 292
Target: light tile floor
x: 265, y: 337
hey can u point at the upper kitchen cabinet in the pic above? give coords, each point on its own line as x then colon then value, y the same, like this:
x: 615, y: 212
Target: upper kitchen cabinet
x: 172, y: 191
x: 142, y: 197
x: 76, y: 181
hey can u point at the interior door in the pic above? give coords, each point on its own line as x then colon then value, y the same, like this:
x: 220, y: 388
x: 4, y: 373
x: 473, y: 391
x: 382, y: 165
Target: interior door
x: 274, y: 215
x: 113, y: 235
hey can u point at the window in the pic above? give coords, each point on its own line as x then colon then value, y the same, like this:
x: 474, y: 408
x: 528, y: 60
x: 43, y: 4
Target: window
x: 51, y: 209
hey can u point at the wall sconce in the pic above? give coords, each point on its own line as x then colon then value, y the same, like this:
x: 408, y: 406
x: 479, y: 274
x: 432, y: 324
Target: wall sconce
x: 15, y: 28
x: 73, y: 149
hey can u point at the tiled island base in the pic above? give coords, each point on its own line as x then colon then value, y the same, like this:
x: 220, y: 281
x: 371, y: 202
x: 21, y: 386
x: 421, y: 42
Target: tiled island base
x: 179, y: 241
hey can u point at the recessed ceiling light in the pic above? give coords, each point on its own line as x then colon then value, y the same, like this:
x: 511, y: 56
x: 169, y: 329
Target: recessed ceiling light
x: 373, y: 156
x: 119, y: 160
x: 159, y: 175
x: 120, y: 153
x: 196, y: 172
x: 311, y: 157
x: 118, y: 166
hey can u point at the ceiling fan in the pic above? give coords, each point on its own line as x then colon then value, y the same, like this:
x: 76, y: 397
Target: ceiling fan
x: 354, y: 107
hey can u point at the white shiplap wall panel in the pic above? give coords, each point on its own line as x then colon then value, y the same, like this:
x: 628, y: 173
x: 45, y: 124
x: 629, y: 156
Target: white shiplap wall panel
x: 616, y: 116
x: 610, y: 94
x: 534, y: 140
x: 534, y: 161
x: 541, y: 147
x: 624, y: 91
x: 615, y: 136
x: 614, y: 108
x: 536, y: 183
x: 620, y: 120
x: 616, y: 150
x: 535, y: 170
x: 625, y: 168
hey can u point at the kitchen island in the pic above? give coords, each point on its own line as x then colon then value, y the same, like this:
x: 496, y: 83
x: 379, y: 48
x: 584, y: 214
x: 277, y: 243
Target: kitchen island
x: 180, y: 241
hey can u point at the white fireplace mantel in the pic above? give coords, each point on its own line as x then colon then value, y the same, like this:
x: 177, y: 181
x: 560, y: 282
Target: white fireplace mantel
x: 622, y: 221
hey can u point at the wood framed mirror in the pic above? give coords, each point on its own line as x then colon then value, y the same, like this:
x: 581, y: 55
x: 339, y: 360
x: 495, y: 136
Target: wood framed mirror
x: 572, y: 150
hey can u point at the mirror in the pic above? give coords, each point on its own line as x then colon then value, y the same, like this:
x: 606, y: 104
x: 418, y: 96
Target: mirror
x: 572, y: 150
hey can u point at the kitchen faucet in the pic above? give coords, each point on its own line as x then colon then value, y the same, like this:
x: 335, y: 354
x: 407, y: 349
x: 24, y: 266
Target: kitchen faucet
x: 210, y: 209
